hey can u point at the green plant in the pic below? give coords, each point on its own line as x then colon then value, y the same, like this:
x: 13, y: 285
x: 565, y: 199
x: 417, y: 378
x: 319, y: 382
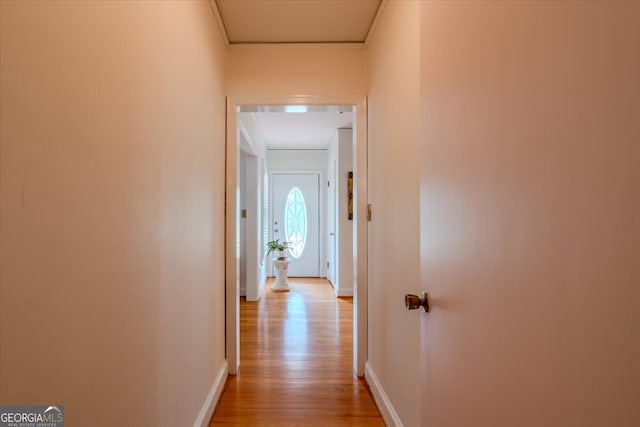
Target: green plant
x: 276, y: 245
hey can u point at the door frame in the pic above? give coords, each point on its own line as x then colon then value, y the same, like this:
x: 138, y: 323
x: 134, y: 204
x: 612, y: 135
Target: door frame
x: 330, y: 244
x: 232, y: 288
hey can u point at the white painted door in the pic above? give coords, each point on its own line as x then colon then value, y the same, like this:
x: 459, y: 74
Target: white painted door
x: 530, y: 250
x: 331, y: 225
x: 296, y: 219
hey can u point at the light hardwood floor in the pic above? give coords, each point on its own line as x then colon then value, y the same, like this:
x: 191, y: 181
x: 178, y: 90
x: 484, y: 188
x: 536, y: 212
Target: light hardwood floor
x: 296, y: 363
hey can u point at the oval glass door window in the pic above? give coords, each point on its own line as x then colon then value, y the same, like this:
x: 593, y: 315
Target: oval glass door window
x: 295, y: 222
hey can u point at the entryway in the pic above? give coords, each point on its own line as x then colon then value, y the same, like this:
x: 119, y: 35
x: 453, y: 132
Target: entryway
x: 296, y: 220
x: 234, y: 216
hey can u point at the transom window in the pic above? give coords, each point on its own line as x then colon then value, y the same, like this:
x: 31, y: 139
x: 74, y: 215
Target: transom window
x: 295, y: 222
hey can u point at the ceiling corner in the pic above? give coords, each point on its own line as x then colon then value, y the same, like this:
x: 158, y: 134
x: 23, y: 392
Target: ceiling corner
x: 376, y: 19
x: 218, y: 17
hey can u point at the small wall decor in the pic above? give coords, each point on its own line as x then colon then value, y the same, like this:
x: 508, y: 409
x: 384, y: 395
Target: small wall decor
x: 350, y: 195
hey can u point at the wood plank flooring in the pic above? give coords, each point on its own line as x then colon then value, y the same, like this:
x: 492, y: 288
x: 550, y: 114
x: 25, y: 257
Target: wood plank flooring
x: 296, y: 363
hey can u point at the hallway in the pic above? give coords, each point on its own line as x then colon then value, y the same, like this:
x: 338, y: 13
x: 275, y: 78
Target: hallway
x: 296, y: 362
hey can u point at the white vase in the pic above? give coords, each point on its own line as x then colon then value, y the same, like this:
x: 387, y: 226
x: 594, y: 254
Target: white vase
x: 281, y: 284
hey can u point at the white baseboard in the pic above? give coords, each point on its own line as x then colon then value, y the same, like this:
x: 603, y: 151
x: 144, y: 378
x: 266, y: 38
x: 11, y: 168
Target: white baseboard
x: 212, y: 398
x: 341, y: 292
x: 389, y: 414
x: 345, y: 292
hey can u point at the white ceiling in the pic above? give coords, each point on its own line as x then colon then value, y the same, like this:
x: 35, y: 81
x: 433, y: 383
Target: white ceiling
x: 295, y: 130
x: 297, y: 21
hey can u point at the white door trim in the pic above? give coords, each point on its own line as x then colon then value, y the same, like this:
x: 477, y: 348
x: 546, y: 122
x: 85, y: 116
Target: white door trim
x: 360, y: 324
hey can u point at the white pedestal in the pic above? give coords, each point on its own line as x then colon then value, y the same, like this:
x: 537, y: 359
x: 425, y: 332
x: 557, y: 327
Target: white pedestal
x: 281, y: 268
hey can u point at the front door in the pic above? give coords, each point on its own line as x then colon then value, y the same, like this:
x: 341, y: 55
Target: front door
x: 296, y: 219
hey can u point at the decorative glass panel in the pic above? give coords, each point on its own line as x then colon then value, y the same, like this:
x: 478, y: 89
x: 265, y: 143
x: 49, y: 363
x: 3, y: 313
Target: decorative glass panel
x: 295, y: 222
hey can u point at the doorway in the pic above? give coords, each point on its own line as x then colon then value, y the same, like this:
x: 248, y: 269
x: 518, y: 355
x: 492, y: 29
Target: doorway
x: 357, y: 104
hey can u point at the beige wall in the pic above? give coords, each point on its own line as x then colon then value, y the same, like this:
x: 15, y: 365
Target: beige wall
x: 531, y: 213
x: 285, y: 70
x: 112, y: 144
x: 394, y: 148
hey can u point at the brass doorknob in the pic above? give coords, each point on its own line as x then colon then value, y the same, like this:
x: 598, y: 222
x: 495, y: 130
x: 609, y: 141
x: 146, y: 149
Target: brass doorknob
x: 413, y: 302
